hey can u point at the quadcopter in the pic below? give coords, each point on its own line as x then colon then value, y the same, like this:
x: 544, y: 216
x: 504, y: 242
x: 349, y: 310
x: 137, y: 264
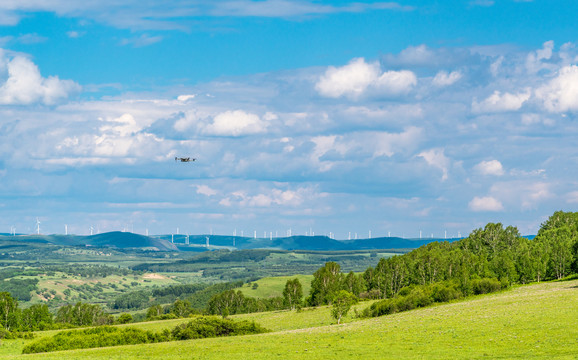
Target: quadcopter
x: 183, y: 159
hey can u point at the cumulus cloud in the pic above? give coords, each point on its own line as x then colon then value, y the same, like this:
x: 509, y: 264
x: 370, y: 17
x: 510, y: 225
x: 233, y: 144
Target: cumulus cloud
x: 442, y: 78
x: 486, y: 203
x: 534, y: 60
x: 525, y: 194
x: 237, y: 123
x: 363, y: 144
x: 186, y: 97
x: 206, y: 190
x: 357, y: 77
x: 561, y: 93
x: 491, y: 167
x: 269, y: 198
x: 25, y: 85
x: 124, y: 125
x: 389, y: 143
x: 498, y: 102
x: 437, y: 158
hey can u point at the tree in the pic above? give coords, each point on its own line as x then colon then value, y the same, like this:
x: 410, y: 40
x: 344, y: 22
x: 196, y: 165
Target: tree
x: 326, y: 282
x: 560, y: 251
x: 342, y: 302
x: 353, y: 283
x: 36, y: 317
x: 82, y: 314
x: 124, y: 318
x: 154, y: 312
x: 9, y: 312
x: 181, y: 308
x: 292, y: 293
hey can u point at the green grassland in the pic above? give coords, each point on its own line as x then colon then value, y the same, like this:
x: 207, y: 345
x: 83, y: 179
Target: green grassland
x: 532, y: 321
x: 273, y: 286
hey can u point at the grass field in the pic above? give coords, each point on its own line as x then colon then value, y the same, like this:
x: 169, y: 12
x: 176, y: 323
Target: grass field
x: 273, y: 286
x: 538, y: 321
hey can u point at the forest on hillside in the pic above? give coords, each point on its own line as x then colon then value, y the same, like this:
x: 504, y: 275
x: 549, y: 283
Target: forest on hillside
x: 489, y: 259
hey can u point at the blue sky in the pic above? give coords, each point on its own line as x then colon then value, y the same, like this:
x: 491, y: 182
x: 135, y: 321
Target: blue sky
x: 334, y: 117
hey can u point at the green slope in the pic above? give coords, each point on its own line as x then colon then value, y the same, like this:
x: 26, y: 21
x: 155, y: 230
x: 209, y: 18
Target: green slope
x: 538, y: 321
x: 274, y: 286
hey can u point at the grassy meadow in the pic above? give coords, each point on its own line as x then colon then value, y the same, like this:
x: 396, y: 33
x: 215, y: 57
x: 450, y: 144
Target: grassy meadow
x: 532, y: 321
x: 273, y: 286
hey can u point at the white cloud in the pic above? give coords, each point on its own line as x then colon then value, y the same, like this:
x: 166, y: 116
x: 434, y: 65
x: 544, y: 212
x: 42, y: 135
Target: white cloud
x: 187, y: 97
x: 525, y: 194
x: 351, y: 80
x: 498, y: 102
x: 437, y: 158
x: 561, y: 93
x: 187, y: 121
x: 206, y: 190
x: 487, y: 203
x: 396, y: 82
x: 236, y: 123
x: 491, y: 167
x: 389, y: 143
x: 74, y: 34
x: 270, y: 197
x: 141, y: 41
x: 534, y: 60
x: 358, y: 77
x: 532, y: 119
x: 442, y: 78
x: 125, y: 125
x: 24, y: 84
x: 176, y: 14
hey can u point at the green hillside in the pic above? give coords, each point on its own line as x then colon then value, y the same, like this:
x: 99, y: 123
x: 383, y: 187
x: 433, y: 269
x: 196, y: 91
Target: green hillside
x: 273, y: 286
x: 535, y: 321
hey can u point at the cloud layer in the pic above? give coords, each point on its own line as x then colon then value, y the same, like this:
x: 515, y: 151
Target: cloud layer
x: 380, y: 144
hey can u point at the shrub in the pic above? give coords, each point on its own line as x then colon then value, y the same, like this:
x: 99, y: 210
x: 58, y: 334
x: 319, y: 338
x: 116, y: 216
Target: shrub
x: 91, y: 338
x: 485, y: 286
x: 124, y: 318
x: 204, y: 327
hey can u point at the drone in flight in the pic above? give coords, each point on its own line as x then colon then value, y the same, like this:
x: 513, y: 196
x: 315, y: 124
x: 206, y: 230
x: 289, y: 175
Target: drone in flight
x: 183, y: 159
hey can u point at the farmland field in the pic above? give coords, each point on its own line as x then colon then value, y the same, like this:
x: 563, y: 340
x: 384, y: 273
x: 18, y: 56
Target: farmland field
x: 532, y: 321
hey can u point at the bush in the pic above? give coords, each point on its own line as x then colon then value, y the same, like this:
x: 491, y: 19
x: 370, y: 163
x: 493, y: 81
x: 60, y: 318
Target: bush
x: 486, y: 286
x: 92, y: 338
x: 442, y: 292
x: 204, y: 327
x: 124, y: 318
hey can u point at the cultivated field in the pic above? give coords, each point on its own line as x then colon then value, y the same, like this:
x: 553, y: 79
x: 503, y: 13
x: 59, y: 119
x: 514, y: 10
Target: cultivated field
x: 534, y: 321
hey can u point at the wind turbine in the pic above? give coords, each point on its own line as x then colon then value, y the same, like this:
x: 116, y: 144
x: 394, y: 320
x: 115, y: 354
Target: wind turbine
x: 65, y: 229
x: 91, y: 229
x: 37, y: 226
x: 207, y: 244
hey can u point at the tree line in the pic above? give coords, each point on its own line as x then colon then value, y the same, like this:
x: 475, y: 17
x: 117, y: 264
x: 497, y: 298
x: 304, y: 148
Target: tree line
x: 489, y: 259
